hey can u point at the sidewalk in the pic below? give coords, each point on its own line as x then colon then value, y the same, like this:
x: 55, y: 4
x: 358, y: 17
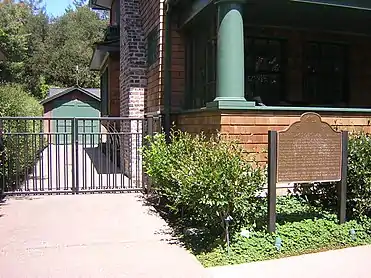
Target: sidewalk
x: 345, y: 263
x: 89, y: 236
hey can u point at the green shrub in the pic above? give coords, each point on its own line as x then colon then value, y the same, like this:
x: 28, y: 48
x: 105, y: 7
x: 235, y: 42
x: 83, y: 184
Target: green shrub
x: 205, y: 179
x: 21, y: 148
x: 161, y: 160
x: 358, y: 181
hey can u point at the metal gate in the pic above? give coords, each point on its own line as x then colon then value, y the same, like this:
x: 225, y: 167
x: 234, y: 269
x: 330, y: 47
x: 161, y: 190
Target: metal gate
x: 76, y: 157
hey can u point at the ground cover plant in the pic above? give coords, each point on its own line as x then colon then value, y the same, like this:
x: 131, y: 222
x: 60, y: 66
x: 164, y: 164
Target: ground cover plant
x: 208, y: 190
x: 301, y: 229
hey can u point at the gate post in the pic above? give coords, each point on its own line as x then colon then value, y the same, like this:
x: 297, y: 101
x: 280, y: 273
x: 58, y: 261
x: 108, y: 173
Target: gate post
x: 75, y: 156
x: 76, y: 143
x: 73, y: 164
x: 147, y: 186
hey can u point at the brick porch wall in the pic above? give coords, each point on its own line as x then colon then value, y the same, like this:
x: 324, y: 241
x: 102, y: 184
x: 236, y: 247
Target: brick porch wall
x: 251, y: 128
x: 152, y: 17
x: 177, y: 70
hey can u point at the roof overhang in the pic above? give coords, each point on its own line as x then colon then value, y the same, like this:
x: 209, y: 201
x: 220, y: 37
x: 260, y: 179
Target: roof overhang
x: 352, y: 4
x: 100, y: 4
x: 101, y: 51
x: 68, y: 90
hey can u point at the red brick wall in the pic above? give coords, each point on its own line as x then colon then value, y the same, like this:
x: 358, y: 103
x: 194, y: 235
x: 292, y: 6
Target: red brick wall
x: 114, y: 85
x: 152, y: 19
x: 197, y: 122
x: 177, y: 70
x: 251, y: 128
x: 113, y: 12
x: 133, y: 80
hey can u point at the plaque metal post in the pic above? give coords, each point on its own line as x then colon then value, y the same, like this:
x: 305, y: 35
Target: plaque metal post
x: 342, y: 187
x: 272, y: 180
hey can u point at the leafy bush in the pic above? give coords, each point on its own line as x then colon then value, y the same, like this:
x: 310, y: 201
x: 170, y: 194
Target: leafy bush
x: 21, y: 148
x: 358, y: 181
x: 204, y: 179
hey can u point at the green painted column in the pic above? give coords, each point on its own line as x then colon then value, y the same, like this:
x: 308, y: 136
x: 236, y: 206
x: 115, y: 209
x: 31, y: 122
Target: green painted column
x: 230, y: 80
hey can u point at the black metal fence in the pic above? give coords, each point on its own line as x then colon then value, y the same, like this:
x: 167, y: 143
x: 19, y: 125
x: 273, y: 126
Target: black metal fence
x: 73, y: 155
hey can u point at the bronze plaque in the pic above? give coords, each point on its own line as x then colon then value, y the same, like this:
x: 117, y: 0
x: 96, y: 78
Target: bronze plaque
x: 309, y: 151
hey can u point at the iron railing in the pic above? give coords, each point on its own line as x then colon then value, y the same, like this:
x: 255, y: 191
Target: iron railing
x: 73, y: 155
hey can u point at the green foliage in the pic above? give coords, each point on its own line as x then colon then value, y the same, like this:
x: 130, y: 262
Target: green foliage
x: 16, y: 102
x: 303, y: 236
x: 69, y: 44
x: 358, y: 181
x: 204, y: 179
x: 20, y: 150
x: 208, y: 179
x: 42, y: 51
x: 13, y: 39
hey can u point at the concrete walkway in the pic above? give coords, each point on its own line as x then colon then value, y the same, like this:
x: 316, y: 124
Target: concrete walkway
x: 89, y: 236
x: 344, y: 263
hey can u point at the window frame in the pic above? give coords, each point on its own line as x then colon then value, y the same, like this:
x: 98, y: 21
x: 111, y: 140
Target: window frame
x: 153, y: 47
x: 197, y: 95
x: 283, y: 42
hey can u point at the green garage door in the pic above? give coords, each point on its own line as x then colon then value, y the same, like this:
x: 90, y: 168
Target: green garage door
x: 76, y: 108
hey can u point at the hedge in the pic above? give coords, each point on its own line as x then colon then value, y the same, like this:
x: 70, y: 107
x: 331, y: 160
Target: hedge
x: 21, y: 150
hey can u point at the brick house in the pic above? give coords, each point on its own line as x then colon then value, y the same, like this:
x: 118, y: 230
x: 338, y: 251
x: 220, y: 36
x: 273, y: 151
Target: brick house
x: 238, y: 66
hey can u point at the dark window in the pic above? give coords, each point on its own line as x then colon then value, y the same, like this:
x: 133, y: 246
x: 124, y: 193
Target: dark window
x: 118, y: 12
x: 104, y: 93
x: 264, y: 70
x: 325, y: 76
x: 201, y: 63
x: 152, y: 47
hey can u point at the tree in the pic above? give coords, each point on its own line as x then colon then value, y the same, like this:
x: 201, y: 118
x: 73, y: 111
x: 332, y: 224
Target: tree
x: 69, y: 45
x: 36, y: 6
x: 37, y: 26
x: 13, y: 40
x: 79, y: 3
x: 44, y: 51
x: 23, y: 41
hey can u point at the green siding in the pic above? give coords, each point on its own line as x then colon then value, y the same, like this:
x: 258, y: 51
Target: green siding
x: 76, y: 108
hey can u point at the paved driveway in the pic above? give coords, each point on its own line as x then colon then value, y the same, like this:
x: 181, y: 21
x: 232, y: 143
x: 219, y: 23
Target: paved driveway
x: 89, y: 236
x: 54, y: 170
